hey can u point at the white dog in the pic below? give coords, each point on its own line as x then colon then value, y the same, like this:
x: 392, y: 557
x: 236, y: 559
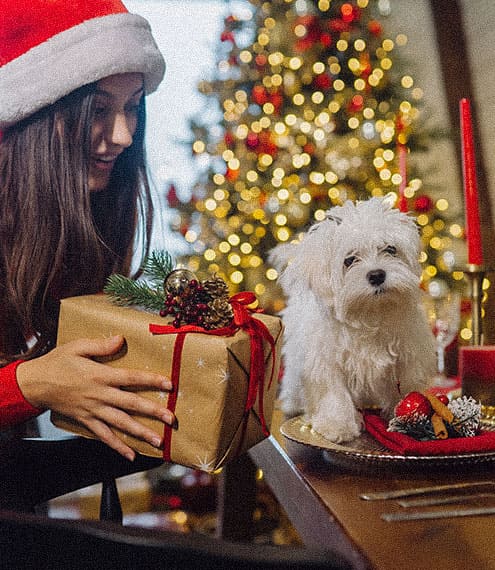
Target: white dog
x: 356, y: 334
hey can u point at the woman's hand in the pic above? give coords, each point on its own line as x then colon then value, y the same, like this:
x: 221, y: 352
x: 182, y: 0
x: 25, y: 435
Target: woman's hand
x: 68, y: 381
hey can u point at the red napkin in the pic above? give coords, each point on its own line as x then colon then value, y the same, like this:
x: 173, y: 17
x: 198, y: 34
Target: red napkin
x: 407, y: 445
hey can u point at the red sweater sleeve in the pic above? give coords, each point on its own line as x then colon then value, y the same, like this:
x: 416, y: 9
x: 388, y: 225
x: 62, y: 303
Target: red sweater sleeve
x: 14, y: 408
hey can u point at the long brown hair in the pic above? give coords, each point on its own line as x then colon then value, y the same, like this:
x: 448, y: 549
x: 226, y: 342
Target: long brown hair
x: 57, y: 239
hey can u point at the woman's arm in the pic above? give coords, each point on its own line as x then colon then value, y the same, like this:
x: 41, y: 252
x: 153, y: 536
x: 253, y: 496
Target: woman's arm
x: 14, y: 408
x: 67, y: 380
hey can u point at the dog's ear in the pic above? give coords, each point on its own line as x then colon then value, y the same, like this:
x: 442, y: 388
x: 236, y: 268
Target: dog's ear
x: 280, y: 256
x: 333, y: 218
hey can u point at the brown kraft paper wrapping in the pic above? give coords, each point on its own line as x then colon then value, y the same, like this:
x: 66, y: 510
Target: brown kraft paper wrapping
x: 212, y: 425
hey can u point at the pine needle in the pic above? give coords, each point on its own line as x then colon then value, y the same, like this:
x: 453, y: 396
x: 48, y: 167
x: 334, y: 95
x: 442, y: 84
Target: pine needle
x: 158, y: 265
x: 125, y: 292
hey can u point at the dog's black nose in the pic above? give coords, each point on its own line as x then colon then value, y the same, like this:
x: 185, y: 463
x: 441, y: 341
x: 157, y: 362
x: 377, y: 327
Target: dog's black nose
x: 376, y: 277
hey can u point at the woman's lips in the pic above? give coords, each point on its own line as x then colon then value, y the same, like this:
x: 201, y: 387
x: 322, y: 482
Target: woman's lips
x: 104, y: 164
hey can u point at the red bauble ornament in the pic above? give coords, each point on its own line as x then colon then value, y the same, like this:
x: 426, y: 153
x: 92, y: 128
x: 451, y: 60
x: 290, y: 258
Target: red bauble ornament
x: 312, y: 35
x: 349, y: 12
x: 232, y: 175
x: 227, y: 36
x: 356, y: 104
x: 423, y: 204
x: 252, y: 140
x: 267, y: 144
x: 338, y: 25
x: 322, y: 82
x: 375, y: 28
x: 326, y: 39
x: 260, y: 60
x: 277, y: 100
x: 259, y: 94
x: 413, y: 403
x: 172, y: 198
x: 229, y: 139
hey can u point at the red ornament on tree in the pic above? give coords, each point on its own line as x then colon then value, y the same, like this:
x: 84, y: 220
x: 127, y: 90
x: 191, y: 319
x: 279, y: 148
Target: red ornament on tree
x: 312, y: 35
x: 277, y: 100
x: 172, y: 198
x: 229, y: 139
x: 326, y: 39
x: 260, y: 61
x: 267, y: 144
x: 323, y: 82
x: 227, y: 36
x: 252, y: 141
x: 375, y: 28
x: 259, y: 95
x: 423, y: 204
x: 232, y: 175
x: 350, y: 13
x: 355, y: 104
x: 338, y: 25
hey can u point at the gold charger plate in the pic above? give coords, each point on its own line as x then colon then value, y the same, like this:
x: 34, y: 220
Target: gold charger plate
x: 365, y: 450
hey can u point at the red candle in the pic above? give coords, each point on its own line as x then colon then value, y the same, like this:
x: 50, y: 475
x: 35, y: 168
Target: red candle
x: 473, y: 230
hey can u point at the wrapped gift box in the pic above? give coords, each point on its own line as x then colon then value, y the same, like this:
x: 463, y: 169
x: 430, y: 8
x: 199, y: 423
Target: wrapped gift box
x: 213, y: 425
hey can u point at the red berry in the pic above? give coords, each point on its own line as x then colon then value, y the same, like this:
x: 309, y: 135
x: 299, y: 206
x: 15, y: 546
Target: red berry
x: 443, y: 398
x: 413, y: 403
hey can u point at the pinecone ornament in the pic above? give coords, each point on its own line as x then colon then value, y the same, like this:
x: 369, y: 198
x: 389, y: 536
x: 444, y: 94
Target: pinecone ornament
x: 219, y: 314
x: 216, y: 288
x: 467, y: 416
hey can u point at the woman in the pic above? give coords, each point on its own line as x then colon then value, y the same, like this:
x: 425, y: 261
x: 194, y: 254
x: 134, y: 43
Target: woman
x: 73, y: 193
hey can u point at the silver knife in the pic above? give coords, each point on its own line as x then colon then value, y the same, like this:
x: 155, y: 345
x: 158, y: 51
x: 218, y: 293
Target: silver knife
x: 421, y: 490
x: 443, y: 514
x: 431, y: 501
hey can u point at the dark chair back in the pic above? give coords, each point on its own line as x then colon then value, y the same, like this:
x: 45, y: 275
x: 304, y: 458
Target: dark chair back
x: 30, y: 541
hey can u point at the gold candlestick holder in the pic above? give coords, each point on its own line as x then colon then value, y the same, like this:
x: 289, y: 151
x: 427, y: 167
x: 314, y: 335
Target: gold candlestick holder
x: 475, y: 275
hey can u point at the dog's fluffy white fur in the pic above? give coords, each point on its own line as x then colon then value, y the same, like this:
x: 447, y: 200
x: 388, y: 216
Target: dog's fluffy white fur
x: 355, y: 330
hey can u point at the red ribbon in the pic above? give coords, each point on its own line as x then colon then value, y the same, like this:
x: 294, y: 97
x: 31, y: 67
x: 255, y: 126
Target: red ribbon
x: 258, y: 332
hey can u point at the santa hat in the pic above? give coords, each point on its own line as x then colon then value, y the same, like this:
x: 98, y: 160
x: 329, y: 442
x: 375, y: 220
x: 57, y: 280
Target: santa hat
x: 49, y: 48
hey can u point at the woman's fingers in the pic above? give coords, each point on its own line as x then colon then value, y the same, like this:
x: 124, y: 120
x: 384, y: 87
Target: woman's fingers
x: 121, y: 376
x: 106, y: 435
x: 96, y: 347
x: 109, y: 418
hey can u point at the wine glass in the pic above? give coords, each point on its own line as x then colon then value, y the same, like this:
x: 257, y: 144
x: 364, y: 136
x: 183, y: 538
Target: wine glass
x: 444, y: 315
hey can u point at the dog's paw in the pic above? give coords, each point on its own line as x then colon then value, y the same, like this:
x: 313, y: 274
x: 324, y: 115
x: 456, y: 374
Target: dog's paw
x: 338, y: 431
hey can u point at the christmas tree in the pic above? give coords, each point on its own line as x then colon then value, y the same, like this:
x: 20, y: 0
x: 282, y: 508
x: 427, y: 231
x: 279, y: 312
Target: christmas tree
x: 314, y: 109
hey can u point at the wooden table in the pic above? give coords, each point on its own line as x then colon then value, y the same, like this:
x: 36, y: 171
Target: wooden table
x: 322, y: 501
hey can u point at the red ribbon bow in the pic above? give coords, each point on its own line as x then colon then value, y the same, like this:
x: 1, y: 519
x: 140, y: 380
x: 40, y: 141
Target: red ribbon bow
x: 258, y: 332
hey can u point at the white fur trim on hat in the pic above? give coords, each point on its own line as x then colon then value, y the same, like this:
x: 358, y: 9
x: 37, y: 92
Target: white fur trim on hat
x: 97, y: 48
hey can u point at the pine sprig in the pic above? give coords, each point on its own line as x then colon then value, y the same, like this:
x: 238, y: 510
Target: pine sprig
x: 158, y: 265
x: 126, y: 292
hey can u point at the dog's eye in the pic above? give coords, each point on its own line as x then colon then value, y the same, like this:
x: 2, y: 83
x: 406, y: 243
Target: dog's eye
x: 348, y: 261
x: 391, y: 250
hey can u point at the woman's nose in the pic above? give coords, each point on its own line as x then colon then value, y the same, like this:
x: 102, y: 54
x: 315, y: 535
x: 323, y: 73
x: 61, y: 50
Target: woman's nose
x: 121, y: 131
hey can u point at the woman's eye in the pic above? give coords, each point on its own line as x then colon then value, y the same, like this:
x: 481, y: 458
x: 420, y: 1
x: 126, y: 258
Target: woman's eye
x: 100, y: 111
x: 391, y: 250
x: 348, y: 261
